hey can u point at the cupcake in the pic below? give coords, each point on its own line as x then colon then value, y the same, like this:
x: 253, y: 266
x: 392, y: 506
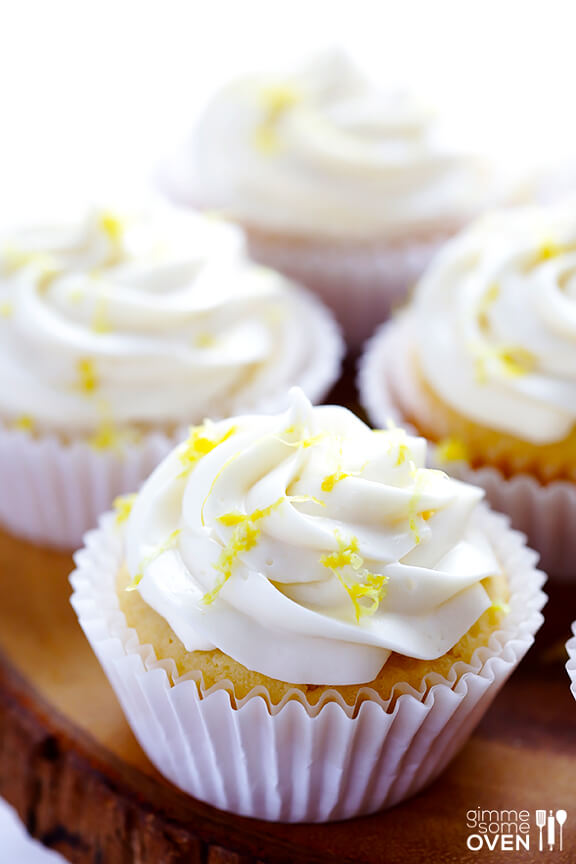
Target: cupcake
x: 300, y: 621
x: 339, y: 183
x: 118, y: 332
x: 483, y: 363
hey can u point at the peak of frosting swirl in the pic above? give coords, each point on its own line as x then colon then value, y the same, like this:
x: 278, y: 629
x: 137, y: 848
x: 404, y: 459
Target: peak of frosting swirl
x: 307, y: 546
x: 495, y: 323
x: 322, y: 150
x: 155, y: 317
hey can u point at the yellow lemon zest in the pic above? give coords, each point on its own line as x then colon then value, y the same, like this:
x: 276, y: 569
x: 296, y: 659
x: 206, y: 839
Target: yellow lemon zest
x: 299, y: 430
x: 451, y: 450
x: 489, y: 298
x: 204, y: 340
x: 330, y: 481
x: 372, y: 587
x: 414, y: 516
x: 88, y: 380
x: 304, y: 499
x: 169, y: 543
x: 511, y: 361
x: 551, y: 249
x: 501, y: 606
x: 244, y: 537
x: 107, y: 436
x: 111, y: 225
x: 276, y: 102
x: 201, y: 441
x: 123, y: 506
x: 404, y: 454
x: 517, y: 361
x: 6, y: 309
x: 25, y: 422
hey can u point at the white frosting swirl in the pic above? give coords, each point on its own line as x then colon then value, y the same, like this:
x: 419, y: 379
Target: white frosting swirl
x: 322, y: 151
x: 152, y: 318
x: 308, y: 547
x: 495, y: 323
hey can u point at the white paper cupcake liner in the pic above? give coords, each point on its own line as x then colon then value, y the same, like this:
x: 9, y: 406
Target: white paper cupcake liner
x: 571, y: 664
x: 545, y: 513
x: 293, y: 762
x: 52, y: 492
x: 362, y: 284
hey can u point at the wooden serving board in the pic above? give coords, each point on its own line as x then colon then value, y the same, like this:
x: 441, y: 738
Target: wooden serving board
x: 73, y: 770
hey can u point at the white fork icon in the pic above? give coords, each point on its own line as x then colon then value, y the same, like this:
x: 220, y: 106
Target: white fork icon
x: 540, y: 822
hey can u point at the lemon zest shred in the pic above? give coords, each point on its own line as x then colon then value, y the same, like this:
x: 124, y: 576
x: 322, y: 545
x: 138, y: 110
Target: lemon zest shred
x: 88, y: 380
x: 6, y: 309
x: 373, y: 587
x: 486, y: 302
x: 451, y: 450
x: 199, y: 443
x: 204, y: 340
x: 500, y: 606
x: 112, y: 227
x: 276, y: 101
x: 244, y: 537
x: 163, y: 547
x: 25, y: 422
x: 123, y: 506
x: 305, y: 499
x: 413, y: 515
x: 511, y: 361
x: 552, y: 249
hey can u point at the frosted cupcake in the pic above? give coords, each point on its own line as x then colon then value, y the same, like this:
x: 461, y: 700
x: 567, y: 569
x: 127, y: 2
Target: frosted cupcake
x: 117, y: 333
x: 289, y: 590
x: 483, y: 362
x: 340, y: 184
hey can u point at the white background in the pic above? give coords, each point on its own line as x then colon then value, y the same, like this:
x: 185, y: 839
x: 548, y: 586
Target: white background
x: 94, y: 93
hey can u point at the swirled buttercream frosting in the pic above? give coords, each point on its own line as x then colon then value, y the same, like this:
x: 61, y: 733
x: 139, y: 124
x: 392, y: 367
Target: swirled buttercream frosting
x: 154, y: 318
x: 494, y: 323
x: 323, y: 151
x: 308, y: 547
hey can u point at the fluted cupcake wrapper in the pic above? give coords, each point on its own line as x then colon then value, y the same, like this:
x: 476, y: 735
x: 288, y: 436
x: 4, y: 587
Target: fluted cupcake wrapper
x: 296, y: 762
x: 545, y: 513
x: 571, y: 664
x: 53, y: 491
x: 361, y: 283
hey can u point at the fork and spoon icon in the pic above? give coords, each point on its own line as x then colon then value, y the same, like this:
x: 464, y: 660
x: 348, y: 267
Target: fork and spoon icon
x: 549, y: 821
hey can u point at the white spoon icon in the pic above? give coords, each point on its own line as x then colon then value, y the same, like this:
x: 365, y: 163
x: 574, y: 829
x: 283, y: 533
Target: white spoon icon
x: 561, y: 817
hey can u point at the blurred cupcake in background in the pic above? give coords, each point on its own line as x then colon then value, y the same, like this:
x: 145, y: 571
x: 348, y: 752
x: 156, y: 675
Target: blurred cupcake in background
x: 483, y: 362
x: 337, y: 182
x: 119, y: 331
